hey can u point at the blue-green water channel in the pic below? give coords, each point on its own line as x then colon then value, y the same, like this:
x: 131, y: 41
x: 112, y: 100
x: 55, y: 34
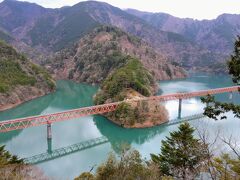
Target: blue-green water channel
x: 69, y: 95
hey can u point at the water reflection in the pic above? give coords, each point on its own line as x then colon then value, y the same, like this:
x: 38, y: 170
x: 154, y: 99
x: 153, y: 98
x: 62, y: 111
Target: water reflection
x: 64, y: 151
x: 71, y: 95
x: 68, y: 96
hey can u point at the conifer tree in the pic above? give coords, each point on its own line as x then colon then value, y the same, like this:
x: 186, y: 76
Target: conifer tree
x: 6, y: 158
x: 225, y: 166
x: 234, y: 63
x: 181, y: 154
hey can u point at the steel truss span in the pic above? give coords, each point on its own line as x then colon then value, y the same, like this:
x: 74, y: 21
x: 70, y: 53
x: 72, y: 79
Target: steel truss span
x: 22, y: 123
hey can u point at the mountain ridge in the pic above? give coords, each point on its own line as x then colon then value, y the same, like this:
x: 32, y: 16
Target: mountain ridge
x: 103, y: 50
x: 216, y: 35
x: 51, y: 30
x: 20, y: 79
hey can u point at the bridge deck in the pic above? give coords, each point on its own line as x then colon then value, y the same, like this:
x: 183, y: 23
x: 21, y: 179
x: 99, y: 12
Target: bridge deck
x: 11, y: 125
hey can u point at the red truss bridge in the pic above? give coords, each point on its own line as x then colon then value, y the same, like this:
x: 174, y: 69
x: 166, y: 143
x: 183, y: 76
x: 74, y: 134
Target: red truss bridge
x: 22, y: 123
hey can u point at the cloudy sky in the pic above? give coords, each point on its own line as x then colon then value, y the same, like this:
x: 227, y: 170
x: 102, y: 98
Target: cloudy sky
x: 198, y: 9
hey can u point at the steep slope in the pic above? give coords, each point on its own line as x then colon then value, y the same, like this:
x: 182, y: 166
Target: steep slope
x: 20, y: 80
x: 46, y: 29
x: 34, y: 54
x: 103, y: 50
x: 217, y: 35
x: 50, y: 30
x: 18, y: 17
x: 61, y: 28
x: 175, y: 46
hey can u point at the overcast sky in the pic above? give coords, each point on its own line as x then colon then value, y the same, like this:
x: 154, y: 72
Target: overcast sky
x: 197, y: 9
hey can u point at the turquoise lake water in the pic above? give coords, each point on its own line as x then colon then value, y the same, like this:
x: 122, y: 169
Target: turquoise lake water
x: 69, y: 95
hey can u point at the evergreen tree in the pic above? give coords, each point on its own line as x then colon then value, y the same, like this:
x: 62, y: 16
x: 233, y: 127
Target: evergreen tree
x: 6, y: 158
x: 182, y: 155
x: 225, y: 166
x: 234, y: 63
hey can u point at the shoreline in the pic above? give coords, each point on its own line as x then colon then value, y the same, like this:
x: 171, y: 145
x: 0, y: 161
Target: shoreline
x: 151, y: 120
x: 11, y: 106
x: 146, y: 124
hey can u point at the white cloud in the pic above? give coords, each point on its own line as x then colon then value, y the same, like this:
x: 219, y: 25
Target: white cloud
x: 198, y: 9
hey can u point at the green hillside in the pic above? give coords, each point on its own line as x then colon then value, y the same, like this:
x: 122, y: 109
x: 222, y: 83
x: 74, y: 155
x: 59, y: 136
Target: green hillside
x: 132, y: 75
x: 15, y: 69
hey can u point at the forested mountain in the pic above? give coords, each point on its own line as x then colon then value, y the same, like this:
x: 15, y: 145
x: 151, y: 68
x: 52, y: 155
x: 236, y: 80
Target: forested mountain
x: 20, y: 79
x: 103, y: 50
x: 51, y: 30
x: 216, y: 35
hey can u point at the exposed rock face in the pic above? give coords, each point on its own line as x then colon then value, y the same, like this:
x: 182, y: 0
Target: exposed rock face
x: 20, y: 80
x: 100, y: 52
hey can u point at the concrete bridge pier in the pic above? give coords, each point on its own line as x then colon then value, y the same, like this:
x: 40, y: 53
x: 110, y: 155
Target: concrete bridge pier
x: 49, y: 131
x: 180, y: 109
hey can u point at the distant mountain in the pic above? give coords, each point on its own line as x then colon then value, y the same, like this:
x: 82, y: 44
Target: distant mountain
x: 57, y: 28
x: 20, y: 79
x: 172, y: 45
x: 46, y: 29
x: 216, y: 35
x: 51, y: 30
x: 105, y: 49
x: 18, y: 17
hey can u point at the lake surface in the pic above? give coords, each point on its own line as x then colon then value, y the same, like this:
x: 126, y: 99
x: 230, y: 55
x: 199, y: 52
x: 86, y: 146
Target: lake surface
x: 69, y: 95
